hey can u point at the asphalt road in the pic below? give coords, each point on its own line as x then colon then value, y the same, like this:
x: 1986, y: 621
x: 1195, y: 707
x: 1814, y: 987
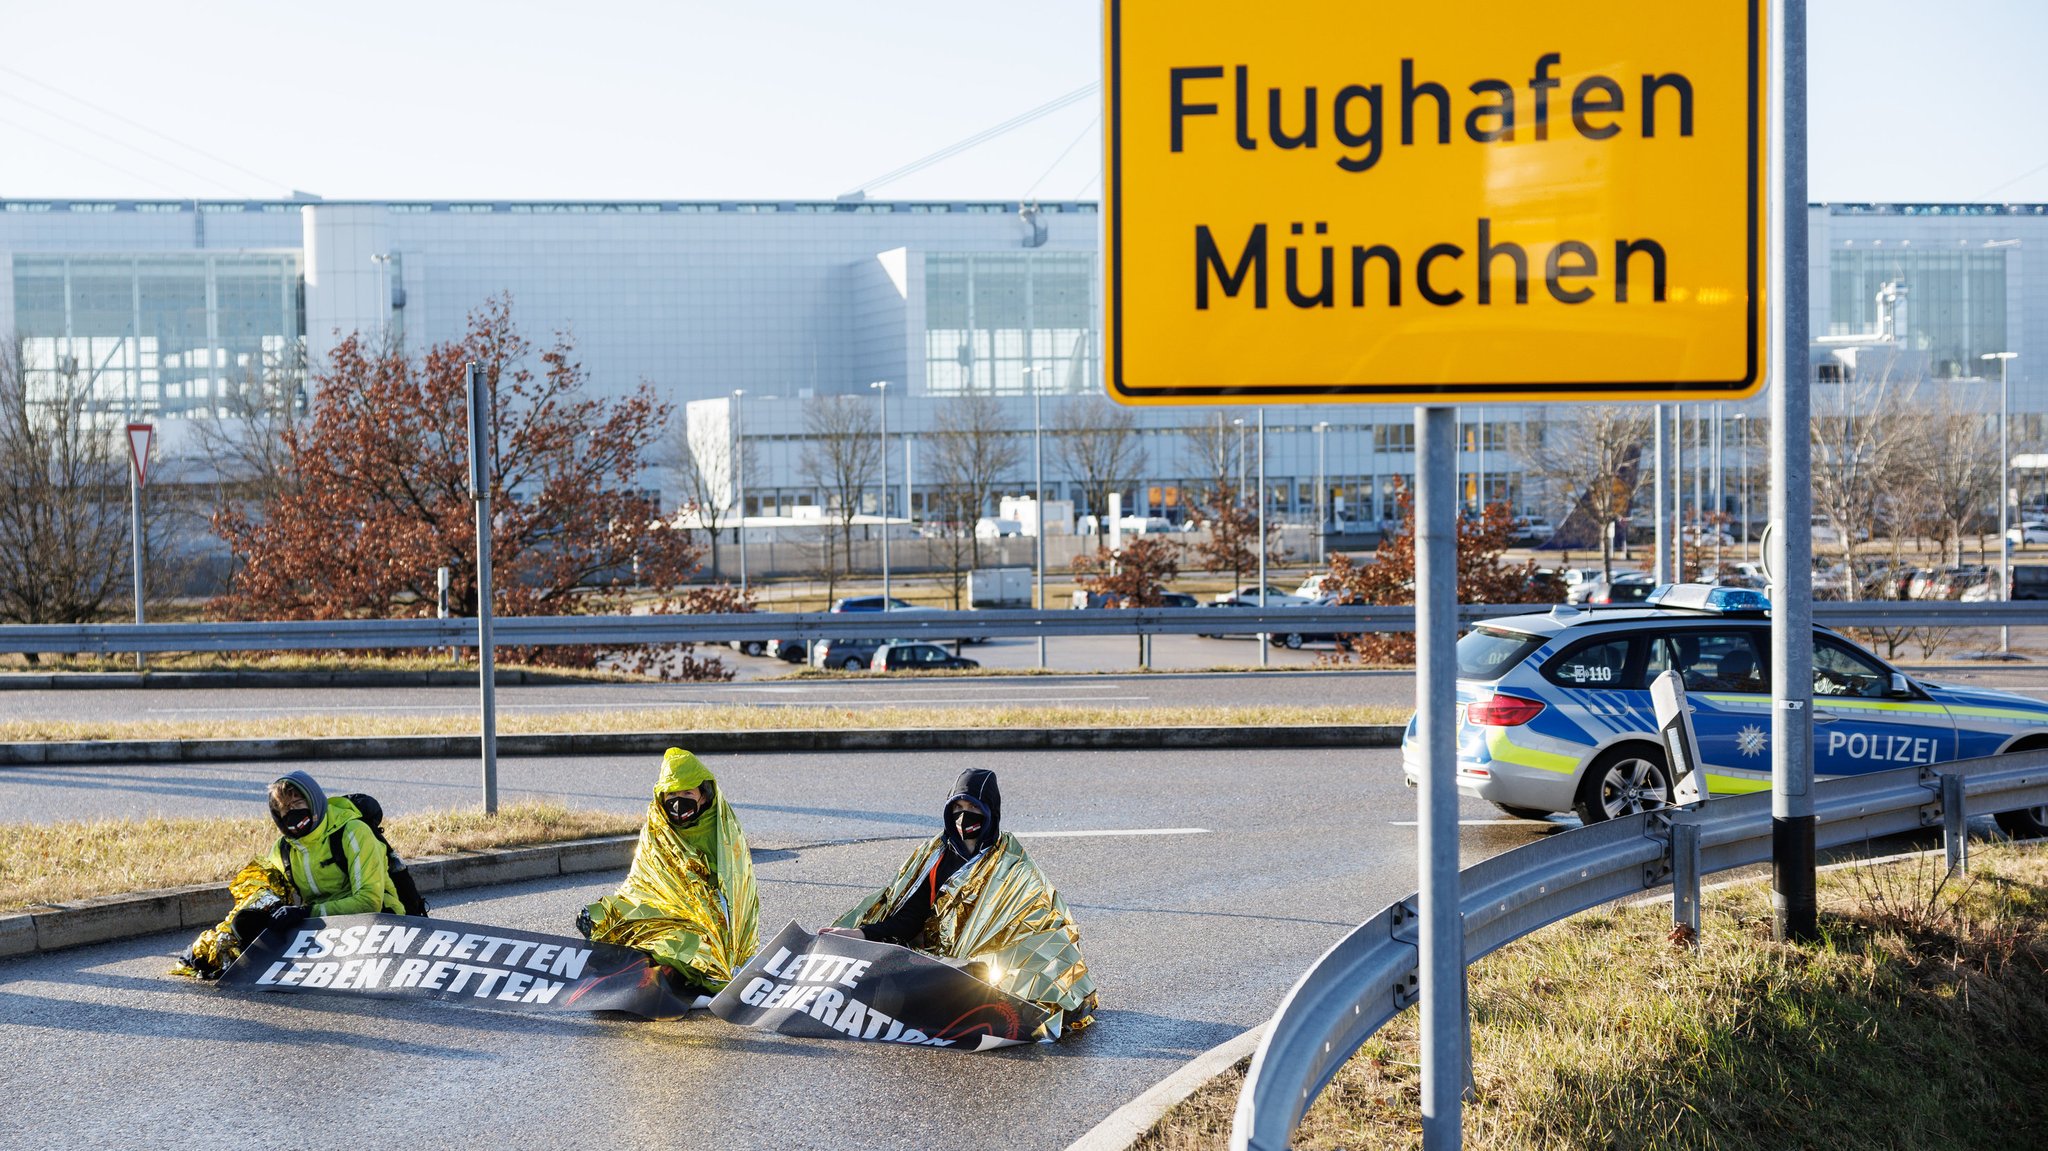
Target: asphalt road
x: 1193, y: 937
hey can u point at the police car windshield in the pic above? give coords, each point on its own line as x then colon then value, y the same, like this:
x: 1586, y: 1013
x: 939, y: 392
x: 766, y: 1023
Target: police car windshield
x: 1487, y: 653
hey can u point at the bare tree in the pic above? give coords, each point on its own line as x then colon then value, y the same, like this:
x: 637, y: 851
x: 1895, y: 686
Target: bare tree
x: 972, y: 449
x: 1231, y: 522
x: 64, y: 516
x: 1096, y: 443
x: 242, y: 440
x: 702, y: 455
x: 1594, y: 456
x: 1863, y: 449
x: 842, y: 455
x: 1957, y: 467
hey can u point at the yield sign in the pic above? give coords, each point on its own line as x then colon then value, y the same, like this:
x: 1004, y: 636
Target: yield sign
x: 139, y: 436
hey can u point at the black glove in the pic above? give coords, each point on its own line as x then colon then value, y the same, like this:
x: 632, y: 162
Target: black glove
x: 584, y: 925
x: 255, y: 921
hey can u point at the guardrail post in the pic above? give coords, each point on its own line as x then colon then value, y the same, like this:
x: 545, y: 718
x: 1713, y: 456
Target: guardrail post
x: 1685, y: 880
x: 1955, y: 835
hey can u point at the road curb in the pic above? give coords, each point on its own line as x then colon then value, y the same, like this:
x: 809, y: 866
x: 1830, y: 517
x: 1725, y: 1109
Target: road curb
x: 641, y: 743
x: 1126, y: 1124
x: 110, y: 918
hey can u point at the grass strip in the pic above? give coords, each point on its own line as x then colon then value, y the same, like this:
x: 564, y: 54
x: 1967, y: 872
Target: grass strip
x: 723, y: 717
x: 79, y: 859
x: 1920, y: 1020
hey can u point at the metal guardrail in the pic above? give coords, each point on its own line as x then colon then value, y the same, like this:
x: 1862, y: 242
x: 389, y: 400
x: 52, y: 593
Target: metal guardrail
x: 624, y: 630
x: 1370, y: 975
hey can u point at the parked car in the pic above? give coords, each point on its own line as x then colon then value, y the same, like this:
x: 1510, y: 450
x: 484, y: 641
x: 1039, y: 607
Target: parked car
x: 918, y: 656
x: 1249, y: 595
x: 1584, y: 591
x: 894, y: 606
x: 787, y: 650
x: 1102, y: 599
x: 1294, y: 640
x: 850, y: 654
x: 1531, y: 530
x: 2028, y: 532
x: 2029, y: 581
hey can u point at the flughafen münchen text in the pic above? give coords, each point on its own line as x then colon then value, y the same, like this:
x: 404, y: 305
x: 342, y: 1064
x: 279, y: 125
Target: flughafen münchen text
x: 1213, y: 106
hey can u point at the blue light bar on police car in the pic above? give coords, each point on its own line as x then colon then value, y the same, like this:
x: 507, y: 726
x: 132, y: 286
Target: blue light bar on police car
x: 1710, y: 598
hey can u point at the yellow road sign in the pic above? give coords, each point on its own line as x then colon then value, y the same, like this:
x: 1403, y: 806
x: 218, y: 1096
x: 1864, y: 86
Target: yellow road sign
x: 1334, y: 201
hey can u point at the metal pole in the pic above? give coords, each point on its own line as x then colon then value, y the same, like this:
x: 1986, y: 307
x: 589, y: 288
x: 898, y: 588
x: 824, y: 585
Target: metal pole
x: 135, y: 539
x: 1720, y: 496
x: 882, y: 389
x: 1038, y: 492
x: 739, y: 472
x: 480, y: 494
x: 2006, y: 502
x: 1659, y: 570
x: 1794, y: 906
x: 1480, y: 467
x: 1677, y: 493
x: 1436, y: 693
x: 1322, y: 494
x: 1742, y: 455
x: 1699, y: 503
x: 1265, y: 656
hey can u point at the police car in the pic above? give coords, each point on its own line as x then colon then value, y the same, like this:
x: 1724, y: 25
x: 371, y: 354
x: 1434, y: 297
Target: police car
x: 1554, y: 710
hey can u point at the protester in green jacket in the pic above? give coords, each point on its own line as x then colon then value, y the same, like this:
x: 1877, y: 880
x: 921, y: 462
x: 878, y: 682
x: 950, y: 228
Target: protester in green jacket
x: 355, y: 883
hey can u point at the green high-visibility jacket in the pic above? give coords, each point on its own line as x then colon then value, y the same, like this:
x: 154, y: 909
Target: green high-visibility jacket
x: 356, y: 884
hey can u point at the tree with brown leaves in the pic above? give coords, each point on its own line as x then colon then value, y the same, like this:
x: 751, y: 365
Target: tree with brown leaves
x: 376, y: 495
x: 1390, y: 578
x: 1133, y: 575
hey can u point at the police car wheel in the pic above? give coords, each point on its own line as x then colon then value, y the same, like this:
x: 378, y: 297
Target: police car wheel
x: 1625, y: 781
x: 2026, y: 823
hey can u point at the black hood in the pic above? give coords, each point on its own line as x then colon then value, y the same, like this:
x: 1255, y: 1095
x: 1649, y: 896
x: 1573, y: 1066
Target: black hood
x: 306, y: 785
x: 977, y: 786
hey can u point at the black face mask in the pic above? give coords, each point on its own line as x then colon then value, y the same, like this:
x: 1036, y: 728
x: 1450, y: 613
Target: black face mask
x: 682, y: 809
x: 968, y: 825
x: 297, y: 822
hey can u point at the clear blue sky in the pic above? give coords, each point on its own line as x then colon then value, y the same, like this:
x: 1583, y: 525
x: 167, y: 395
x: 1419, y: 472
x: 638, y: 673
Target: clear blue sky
x: 1911, y: 99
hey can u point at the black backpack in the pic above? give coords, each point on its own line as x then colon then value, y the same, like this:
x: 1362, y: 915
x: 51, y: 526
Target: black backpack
x: 401, y: 878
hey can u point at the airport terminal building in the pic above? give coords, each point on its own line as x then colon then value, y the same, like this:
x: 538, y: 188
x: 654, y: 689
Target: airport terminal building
x: 163, y: 308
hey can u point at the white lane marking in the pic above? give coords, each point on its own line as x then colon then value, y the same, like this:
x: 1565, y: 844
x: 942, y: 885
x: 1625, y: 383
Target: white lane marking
x: 1472, y: 822
x: 1126, y: 831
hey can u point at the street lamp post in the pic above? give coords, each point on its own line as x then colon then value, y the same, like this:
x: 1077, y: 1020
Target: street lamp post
x: 1038, y: 493
x: 882, y: 390
x: 1742, y: 461
x: 2004, y: 495
x: 739, y: 480
x: 1322, y: 493
x: 1264, y: 656
x: 1240, y: 459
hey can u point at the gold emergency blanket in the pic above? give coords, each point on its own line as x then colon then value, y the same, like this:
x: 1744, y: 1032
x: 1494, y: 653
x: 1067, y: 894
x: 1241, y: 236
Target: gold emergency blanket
x: 257, y: 885
x: 689, y: 899
x: 1001, y: 912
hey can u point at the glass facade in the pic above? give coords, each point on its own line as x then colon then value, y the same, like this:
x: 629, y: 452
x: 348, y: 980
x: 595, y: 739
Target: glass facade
x: 160, y: 334
x: 1956, y: 301
x: 988, y: 316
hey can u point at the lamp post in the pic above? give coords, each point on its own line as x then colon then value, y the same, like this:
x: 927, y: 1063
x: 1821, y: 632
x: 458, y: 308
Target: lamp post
x: 1322, y: 493
x: 882, y: 392
x: 2004, y: 496
x: 1264, y: 655
x: 1742, y: 461
x: 739, y: 480
x: 1240, y: 459
x: 1038, y: 493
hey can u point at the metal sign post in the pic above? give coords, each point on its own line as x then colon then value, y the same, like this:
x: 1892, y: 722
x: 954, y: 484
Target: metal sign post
x: 479, y: 405
x: 1795, y: 910
x: 1441, y: 960
x: 139, y: 438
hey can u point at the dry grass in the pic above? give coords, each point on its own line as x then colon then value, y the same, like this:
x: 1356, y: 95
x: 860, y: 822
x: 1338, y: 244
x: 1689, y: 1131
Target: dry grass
x: 721, y: 718
x: 1920, y: 1020
x: 79, y: 859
